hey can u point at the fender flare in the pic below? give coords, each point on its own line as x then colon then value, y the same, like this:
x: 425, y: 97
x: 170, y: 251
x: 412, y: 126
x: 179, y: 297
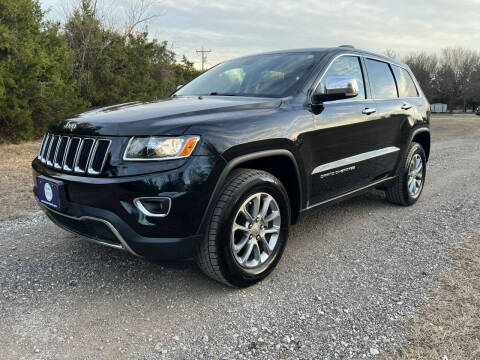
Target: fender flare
x: 415, y: 132
x: 237, y: 161
x: 419, y: 131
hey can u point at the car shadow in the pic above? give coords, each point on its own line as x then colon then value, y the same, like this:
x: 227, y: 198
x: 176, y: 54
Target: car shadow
x: 74, y: 265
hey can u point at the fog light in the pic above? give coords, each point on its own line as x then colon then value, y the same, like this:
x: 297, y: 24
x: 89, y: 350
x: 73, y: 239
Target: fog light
x: 153, y: 206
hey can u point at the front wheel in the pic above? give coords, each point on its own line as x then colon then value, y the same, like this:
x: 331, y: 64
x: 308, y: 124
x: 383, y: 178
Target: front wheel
x: 407, y: 188
x: 248, y: 229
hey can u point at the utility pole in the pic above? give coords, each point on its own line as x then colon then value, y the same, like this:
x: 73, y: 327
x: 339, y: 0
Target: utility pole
x: 204, y: 56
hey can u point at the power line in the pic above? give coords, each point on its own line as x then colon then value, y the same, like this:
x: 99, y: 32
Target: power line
x: 204, y: 56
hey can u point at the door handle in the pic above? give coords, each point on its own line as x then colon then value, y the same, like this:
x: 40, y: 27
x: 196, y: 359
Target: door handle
x: 406, y: 107
x: 368, y: 111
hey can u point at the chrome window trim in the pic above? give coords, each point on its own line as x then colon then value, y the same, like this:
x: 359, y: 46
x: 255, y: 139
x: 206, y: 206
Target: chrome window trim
x: 395, y: 81
x: 411, y: 78
x: 354, y: 159
x: 124, y: 245
x: 138, y: 203
x: 328, y: 68
x: 94, y: 151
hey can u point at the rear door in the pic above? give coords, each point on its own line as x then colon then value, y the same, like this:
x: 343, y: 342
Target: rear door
x: 393, y: 116
x: 411, y: 103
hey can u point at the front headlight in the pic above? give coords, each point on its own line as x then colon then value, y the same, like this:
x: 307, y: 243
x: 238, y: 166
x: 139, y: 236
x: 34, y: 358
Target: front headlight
x: 160, y: 148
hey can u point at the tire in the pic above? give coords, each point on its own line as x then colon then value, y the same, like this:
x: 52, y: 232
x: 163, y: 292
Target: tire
x: 398, y: 191
x: 219, y: 256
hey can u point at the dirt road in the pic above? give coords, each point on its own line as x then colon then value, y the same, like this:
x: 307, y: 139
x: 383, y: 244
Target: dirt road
x: 351, y: 275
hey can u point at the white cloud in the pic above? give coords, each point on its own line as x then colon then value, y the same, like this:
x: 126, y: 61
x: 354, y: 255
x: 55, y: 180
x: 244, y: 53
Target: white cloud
x: 232, y: 28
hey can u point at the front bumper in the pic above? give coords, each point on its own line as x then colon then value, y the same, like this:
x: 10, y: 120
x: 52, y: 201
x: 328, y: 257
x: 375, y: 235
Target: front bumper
x: 103, y: 210
x: 114, y: 233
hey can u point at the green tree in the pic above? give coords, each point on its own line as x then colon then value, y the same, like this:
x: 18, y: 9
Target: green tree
x: 114, y: 67
x: 48, y: 72
x: 36, y: 86
x: 185, y: 71
x: 473, y: 92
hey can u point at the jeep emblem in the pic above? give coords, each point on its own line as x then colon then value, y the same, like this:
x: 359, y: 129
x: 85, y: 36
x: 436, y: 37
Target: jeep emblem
x: 71, y: 125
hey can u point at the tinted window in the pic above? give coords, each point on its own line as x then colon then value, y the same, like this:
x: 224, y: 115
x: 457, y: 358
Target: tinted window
x: 270, y: 75
x: 381, y: 79
x: 406, y: 86
x: 346, y: 66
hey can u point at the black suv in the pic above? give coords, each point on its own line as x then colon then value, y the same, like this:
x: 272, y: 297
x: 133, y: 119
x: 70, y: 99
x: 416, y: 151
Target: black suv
x: 220, y: 170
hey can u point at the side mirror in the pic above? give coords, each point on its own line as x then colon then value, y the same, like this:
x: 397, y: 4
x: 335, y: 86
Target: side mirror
x: 336, y: 88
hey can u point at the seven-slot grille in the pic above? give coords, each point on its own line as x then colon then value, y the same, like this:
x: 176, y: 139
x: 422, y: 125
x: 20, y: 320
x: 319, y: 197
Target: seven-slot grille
x: 74, y: 154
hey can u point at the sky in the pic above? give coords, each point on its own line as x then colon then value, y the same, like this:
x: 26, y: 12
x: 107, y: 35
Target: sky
x: 232, y: 28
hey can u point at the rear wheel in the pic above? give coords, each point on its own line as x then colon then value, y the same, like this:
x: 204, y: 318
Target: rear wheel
x: 407, y: 188
x: 248, y: 229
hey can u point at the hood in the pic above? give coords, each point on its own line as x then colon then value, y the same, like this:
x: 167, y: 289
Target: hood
x: 165, y: 117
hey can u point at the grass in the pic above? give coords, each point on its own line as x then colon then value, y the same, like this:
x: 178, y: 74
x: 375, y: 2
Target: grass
x: 16, y: 183
x: 448, y: 326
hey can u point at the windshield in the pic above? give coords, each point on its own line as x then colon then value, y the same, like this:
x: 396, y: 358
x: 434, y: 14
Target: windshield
x: 271, y: 75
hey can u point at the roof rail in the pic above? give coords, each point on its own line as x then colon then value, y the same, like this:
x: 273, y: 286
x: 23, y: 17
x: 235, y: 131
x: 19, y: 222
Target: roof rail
x: 347, y: 46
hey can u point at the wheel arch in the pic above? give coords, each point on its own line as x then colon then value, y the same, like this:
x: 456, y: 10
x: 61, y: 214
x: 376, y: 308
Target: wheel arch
x: 422, y: 136
x: 268, y: 160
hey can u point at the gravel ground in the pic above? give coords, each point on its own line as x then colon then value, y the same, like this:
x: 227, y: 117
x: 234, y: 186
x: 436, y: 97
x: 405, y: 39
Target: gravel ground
x: 351, y: 275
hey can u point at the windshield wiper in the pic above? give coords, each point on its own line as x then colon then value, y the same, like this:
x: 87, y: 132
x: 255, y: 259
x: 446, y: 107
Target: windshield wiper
x: 221, y: 94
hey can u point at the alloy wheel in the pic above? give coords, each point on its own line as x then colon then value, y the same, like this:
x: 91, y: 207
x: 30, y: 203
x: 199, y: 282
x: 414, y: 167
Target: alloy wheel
x: 255, y: 232
x: 415, y: 176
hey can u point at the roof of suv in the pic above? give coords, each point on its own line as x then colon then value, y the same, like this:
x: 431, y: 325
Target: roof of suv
x: 339, y: 49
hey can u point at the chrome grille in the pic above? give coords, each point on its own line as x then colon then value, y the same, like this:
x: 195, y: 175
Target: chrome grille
x: 70, y: 154
x: 74, y: 154
x: 60, y: 152
x: 83, y: 155
x: 52, y: 150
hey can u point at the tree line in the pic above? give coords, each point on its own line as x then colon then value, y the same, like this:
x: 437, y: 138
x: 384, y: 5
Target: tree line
x: 50, y: 71
x: 451, y: 77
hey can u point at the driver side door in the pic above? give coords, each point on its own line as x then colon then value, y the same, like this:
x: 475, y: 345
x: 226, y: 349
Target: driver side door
x: 345, y: 136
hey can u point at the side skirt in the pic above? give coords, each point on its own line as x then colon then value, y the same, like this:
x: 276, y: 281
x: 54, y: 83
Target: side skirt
x: 349, y: 194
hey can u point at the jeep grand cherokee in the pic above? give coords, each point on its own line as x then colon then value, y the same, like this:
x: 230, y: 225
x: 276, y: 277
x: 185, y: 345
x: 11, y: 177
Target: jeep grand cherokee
x: 220, y: 170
